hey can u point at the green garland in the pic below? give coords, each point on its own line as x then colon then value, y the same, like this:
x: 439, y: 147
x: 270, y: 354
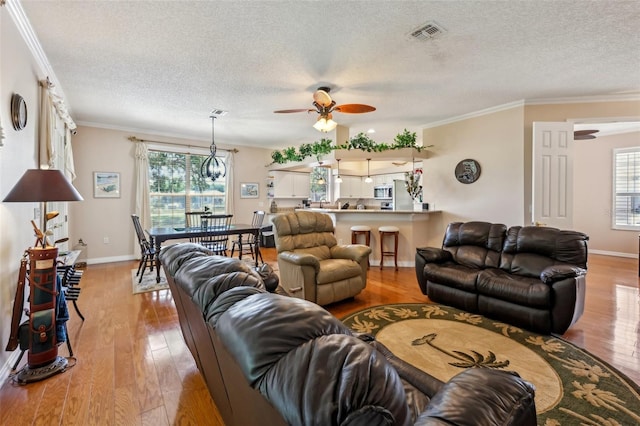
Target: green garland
x: 361, y: 141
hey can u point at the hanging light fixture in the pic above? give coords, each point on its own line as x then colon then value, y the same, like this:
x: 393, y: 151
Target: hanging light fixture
x: 325, y: 123
x: 368, y: 179
x: 338, y: 178
x: 213, y: 167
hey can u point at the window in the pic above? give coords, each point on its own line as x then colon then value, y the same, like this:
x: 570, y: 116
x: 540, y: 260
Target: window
x: 320, y: 184
x: 626, y: 188
x: 175, y: 186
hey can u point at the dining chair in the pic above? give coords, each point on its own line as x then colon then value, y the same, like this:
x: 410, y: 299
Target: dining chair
x: 193, y: 220
x: 147, y: 249
x: 215, y: 238
x: 250, y: 243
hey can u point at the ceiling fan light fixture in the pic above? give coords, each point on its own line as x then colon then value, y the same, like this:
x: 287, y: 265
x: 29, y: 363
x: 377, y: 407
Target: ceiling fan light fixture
x: 325, y: 124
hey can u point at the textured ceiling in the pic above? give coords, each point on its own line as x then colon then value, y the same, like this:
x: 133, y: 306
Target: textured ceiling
x: 161, y: 67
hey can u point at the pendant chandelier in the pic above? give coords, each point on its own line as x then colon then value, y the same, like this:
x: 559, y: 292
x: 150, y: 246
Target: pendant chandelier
x: 213, y: 167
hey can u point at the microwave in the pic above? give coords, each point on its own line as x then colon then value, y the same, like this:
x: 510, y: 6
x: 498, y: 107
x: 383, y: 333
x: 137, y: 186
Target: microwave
x: 383, y: 192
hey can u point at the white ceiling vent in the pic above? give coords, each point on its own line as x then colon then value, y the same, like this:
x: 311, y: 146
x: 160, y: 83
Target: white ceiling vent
x: 218, y: 113
x: 427, y: 31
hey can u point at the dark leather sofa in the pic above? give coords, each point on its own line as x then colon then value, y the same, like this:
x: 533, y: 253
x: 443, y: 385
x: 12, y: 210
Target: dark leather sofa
x: 531, y: 277
x: 271, y: 359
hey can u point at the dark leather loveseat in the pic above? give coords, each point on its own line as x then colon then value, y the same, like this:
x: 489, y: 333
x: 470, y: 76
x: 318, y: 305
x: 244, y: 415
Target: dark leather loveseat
x: 271, y: 359
x: 531, y: 277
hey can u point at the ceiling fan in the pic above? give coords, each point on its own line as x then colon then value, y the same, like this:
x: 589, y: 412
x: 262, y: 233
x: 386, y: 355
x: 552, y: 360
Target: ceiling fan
x: 580, y: 135
x: 324, y: 106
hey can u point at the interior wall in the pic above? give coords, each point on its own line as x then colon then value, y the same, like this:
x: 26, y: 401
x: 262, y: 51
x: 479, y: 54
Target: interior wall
x: 106, y: 150
x: 593, y: 194
x: 495, y: 140
x: 18, y: 74
x: 588, y: 217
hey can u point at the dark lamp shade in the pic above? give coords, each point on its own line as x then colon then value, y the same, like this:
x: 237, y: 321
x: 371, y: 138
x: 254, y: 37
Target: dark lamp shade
x: 38, y: 185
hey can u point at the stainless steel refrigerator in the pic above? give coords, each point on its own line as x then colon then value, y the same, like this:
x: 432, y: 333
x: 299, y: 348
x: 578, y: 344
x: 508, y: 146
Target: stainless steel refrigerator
x: 401, y: 198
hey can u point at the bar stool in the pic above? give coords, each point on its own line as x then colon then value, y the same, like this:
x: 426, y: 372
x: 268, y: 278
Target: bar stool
x: 358, y: 230
x: 385, y: 231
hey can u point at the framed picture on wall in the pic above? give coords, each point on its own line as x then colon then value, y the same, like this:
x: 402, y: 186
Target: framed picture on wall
x: 249, y: 190
x: 106, y: 185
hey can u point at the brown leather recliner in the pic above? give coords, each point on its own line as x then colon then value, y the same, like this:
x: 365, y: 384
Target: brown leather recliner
x: 312, y: 265
x: 531, y: 277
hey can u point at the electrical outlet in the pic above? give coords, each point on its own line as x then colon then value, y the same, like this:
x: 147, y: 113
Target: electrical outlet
x: 105, y: 240
x: 36, y: 213
x: 340, y: 241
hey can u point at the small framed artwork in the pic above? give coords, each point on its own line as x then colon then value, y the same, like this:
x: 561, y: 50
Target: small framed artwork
x: 106, y: 185
x: 249, y: 190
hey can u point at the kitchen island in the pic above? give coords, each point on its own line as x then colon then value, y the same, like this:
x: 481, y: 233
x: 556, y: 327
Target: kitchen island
x: 417, y: 229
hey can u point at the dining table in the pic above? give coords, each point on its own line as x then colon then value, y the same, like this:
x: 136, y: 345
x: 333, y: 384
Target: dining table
x: 161, y: 234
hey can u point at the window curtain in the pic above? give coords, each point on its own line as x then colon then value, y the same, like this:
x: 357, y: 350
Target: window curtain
x: 229, y: 184
x: 47, y: 130
x: 52, y: 110
x: 142, y: 207
x: 69, y: 166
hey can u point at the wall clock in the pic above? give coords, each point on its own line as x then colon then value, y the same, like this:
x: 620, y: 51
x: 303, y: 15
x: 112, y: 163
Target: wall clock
x: 467, y: 171
x: 18, y: 112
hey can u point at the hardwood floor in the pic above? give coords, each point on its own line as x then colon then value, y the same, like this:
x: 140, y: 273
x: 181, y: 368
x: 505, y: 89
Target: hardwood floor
x: 133, y: 367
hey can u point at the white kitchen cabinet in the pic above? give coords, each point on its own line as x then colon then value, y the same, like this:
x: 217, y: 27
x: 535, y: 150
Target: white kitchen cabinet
x: 291, y: 185
x: 367, y: 189
x: 351, y: 187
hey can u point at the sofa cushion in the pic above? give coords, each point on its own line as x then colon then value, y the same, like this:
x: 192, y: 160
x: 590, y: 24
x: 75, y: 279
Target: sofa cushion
x: 568, y: 247
x: 308, y: 364
x: 332, y: 270
x: 173, y: 256
x: 196, y: 271
x: 475, y: 244
x: 320, y: 252
x: 452, y: 274
x: 520, y: 290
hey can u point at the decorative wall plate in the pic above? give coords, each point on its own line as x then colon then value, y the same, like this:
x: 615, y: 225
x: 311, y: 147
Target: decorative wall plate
x: 467, y: 171
x: 18, y: 112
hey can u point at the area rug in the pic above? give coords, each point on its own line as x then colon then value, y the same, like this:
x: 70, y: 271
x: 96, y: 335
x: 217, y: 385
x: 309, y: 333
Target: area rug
x: 573, y: 387
x: 148, y: 281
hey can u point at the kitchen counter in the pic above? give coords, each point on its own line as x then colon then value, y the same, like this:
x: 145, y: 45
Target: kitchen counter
x: 417, y: 229
x: 323, y: 210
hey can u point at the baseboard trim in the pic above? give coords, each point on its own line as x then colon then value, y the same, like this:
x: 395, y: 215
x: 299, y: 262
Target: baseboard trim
x: 6, y: 368
x: 110, y: 259
x: 614, y: 253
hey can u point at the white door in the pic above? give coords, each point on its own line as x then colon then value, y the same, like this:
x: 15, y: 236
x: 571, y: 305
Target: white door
x: 553, y: 174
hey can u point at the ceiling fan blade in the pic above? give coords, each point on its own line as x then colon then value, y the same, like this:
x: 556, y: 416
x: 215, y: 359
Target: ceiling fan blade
x: 583, y: 137
x: 584, y: 132
x: 286, y: 111
x: 354, y: 108
x: 322, y: 98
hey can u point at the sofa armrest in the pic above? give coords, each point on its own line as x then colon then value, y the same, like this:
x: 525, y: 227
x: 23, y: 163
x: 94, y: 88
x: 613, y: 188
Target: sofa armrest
x: 554, y: 273
x: 433, y: 254
x: 479, y: 396
x: 300, y: 259
x: 355, y: 252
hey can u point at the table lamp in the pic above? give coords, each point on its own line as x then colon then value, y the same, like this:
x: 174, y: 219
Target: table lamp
x: 39, y: 185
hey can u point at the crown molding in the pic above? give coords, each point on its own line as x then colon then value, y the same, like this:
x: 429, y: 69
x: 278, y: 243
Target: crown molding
x: 26, y: 31
x: 14, y: 7
x: 478, y: 113
x: 542, y: 101
x: 585, y: 99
